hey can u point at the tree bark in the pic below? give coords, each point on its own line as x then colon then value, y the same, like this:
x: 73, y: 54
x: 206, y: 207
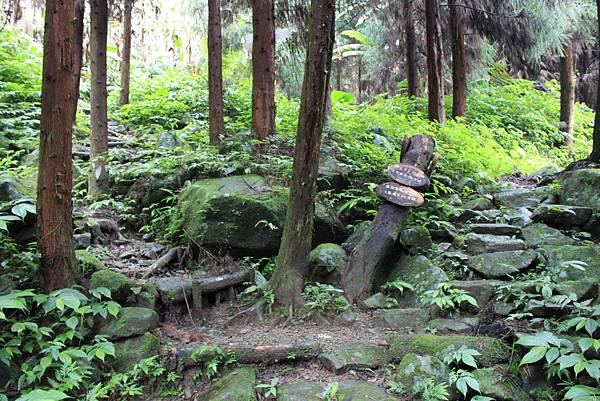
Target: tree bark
x: 367, y: 259
x: 567, y: 95
x: 215, y: 72
x: 60, y: 91
x: 411, y: 49
x: 126, y: 53
x: 292, y: 261
x: 435, y: 76
x: 595, y: 155
x: 459, y: 61
x: 263, y: 68
x: 98, y: 178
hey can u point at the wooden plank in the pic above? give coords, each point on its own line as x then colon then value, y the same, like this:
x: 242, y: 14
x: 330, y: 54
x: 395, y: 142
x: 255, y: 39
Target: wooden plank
x: 408, y: 175
x: 400, y: 195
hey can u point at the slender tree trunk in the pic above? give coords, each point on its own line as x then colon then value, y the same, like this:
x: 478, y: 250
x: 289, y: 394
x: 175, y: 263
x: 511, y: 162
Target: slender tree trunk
x: 61, y: 71
x: 126, y: 56
x: 435, y: 75
x: 338, y: 74
x: 567, y: 95
x: 98, y: 179
x: 411, y: 50
x: 595, y: 155
x: 263, y: 68
x: 292, y: 261
x: 359, y: 80
x: 459, y: 61
x: 215, y: 72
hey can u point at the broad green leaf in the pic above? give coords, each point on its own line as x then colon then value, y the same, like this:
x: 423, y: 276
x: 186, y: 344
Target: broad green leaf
x: 43, y: 395
x: 534, y: 355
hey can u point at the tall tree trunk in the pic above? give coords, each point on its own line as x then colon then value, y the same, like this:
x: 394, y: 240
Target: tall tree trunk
x: 595, y: 155
x: 263, y: 68
x: 411, y: 49
x: 292, y: 261
x: 126, y: 56
x: 338, y: 74
x: 98, y: 179
x: 435, y: 75
x: 60, y: 91
x: 215, y: 72
x: 459, y: 61
x: 359, y: 68
x: 567, y: 95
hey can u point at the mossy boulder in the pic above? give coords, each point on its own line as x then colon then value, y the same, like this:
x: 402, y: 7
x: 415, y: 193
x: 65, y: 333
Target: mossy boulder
x: 354, y: 355
x: 498, y: 383
x: 327, y: 261
x: 580, y: 188
x: 479, y: 204
x: 522, y: 197
x: 352, y: 390
x: 502, y: 264
x: 414, y: 368
x: 88, y: 262
x: 476, y: 244
x: 408, y: 318
x: 539, y: 234
x: 562, y: 215
x: 481, y: 290
x: 560, y: 256
x: 131, y: 322
x: 132, y: 350
x: 493, y: 351
x: 119, y: 285
x: 237, y: 385
x: 416, y: 239
x: 244, y: 215
x: 420, y: 273
x: 357, y: 234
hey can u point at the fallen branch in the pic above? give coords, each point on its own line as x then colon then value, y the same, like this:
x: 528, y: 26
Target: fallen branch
x: 161, y: 262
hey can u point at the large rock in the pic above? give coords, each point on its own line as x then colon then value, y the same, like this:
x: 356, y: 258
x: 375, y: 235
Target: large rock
x: 580, y: 188
x: 538, y: 234
x: 460, y: 325
x: 88, y: 262
x: 420, y: 273
x: 237, y: 385
x: 414, y: 368
x: 493, y: 351
x: 355, y: 355
x: 173, y: 289
x: 502, y: 264
x: 416, y: 239
x: 130, y: 322
x: 495, y: 229
x: 327, y: 260
x: 562, y: 215
x: 484, y: 243
x: 560, y: 256
x: 119, y: 285
x: 520, y: 217
x: 243, y: 214
x: 499, y: 384
x: 521, y: 197
x: 479, y: 204
x: 132, y: 350
x: 482, y: 290
x: 9, y: 189
x: 357, y: 234
x: 352, y: 390
x: 409, y: 318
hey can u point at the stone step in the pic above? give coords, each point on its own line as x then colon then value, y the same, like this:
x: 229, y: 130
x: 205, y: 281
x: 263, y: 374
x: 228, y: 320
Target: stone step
x: 349, y: 390
x: 477, y: 244
x: 495, y: 229
x: 562, y: 215
x: 482, y: 290
x: 502, y: 265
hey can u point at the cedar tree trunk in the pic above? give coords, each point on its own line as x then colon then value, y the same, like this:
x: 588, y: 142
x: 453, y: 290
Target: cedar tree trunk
x: 126, y: 56
x: 411, y: 50
x: 435, y: 81
x: 98, y: 179
x: 60, y: 91
x: 459, y: 61
x: 263, y: 68
x: 292, y: 261
x: 567, y: 95
x: 215, y: 72
x: 595, y: 155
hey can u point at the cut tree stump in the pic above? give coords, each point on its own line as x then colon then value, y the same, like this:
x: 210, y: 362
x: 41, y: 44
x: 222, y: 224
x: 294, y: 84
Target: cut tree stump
x: 376, y: 245
x: 263, y: 354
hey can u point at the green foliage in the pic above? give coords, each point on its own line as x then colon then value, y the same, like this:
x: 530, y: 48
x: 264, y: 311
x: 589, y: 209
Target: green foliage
x: 396, y: 287
x: 213, y: 357
x: 323, y: 298
x: 462, y: 356
x: 429, y: 390
x: 448, y: 298
x: 271, y: 388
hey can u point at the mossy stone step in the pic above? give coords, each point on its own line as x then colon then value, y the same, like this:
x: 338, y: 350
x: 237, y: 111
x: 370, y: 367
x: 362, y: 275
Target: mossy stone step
x: 351, y: 390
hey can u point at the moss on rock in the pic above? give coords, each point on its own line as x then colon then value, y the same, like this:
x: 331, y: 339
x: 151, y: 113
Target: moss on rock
x: 131, y: 351
x: 415, y: 368
x: 119, y: 285
x: 580, y: 188
x: 237, y: 385
x: 88, y: 262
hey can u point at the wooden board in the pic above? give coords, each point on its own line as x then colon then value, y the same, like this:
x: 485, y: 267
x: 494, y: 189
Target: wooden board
x: 408, y: 175
x: 399, y: 194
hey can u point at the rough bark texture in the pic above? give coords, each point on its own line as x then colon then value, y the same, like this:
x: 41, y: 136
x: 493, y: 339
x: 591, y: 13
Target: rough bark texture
x: 292, y: 261
x: 435, y: 76
x: 411, y: 49
x: 98, y: 179
x: 263, y: 68
x: 567, y: 95
x: 459, y: 61
x: 367, y: 259
x: 595, y: 155
x: 60, y: 91
x: 215, y: 72
x: 126, y: 53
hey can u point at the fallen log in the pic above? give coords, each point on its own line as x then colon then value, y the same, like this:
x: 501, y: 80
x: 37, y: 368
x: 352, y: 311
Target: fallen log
x: 161, y: 262
x: 218, y: 283
x: 367, y: 258
x: 262, y: 354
